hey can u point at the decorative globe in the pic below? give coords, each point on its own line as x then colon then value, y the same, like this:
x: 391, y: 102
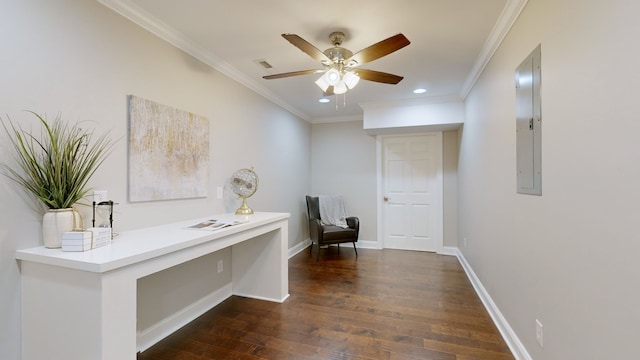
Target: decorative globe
x: 244, y: 183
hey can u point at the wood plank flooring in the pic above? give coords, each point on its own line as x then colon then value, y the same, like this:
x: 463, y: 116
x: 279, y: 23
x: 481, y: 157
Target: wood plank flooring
x: 383, y: 304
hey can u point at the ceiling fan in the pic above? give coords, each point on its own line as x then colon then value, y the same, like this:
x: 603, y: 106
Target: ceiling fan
x: 341, y: 66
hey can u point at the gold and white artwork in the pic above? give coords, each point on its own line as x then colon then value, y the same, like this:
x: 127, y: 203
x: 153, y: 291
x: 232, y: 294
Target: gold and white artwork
x: 168, y: 152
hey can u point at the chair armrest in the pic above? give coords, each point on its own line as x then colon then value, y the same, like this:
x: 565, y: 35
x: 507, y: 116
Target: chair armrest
x: 315, y: 229
x: 354, y: 223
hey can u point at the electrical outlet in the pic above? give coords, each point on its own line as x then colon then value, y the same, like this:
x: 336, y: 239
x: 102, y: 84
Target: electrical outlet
x: 465, y: 242
x: 219, y: 192
x: 539, y: 335
x: 100, y: 195
x: 220, y: 266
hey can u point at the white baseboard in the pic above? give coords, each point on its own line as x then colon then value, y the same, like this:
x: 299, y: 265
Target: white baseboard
x: 448, y: 250
x: 360, y: 244
x: 509, y: 336
x: 150, y: 336
x: 299, y: 247
x: 368, y: 244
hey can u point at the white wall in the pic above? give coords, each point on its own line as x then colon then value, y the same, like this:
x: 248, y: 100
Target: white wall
x: 344, y: 162
x: 82, y: 60
x: 421, y: 115
x: 568, y: 257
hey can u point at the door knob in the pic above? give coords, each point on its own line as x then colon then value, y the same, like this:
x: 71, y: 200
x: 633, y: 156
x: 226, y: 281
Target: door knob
x: 386, y: 198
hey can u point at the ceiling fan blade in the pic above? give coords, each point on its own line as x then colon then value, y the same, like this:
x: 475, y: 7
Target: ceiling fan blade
x: 378, y: 76
x: 378, y: 50
x: 293, y: 73
x: 307, y: 48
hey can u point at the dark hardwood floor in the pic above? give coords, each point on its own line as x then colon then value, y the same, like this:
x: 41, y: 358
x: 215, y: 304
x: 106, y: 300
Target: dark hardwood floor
x: 384, y: 304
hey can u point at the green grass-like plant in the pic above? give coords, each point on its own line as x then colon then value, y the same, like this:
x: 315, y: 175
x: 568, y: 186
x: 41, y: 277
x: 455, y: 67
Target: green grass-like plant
x: 56, y: 165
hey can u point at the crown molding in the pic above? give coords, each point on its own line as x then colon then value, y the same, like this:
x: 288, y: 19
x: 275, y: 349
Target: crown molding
x: 131, y: 11
x: 336, y: 119
x: 152, y: 24
x: 507, y: 18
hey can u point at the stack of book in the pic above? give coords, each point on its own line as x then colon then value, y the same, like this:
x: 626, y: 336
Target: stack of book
x: 89, y: 239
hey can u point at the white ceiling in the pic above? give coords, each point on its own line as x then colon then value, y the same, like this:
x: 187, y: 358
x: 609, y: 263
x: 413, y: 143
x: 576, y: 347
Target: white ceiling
x: 451, y: 40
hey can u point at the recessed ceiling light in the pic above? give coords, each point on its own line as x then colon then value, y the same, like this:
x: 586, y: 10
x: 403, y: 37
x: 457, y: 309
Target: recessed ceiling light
x: 323, y: 100
x: 419, y: 91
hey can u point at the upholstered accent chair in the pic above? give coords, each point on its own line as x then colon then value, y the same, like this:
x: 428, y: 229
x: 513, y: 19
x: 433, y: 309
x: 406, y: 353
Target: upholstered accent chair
x: 322, y: 234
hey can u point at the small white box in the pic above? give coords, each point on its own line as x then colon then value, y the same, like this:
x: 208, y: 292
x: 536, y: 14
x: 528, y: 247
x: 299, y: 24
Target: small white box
x: 76, y: 240
x: 89, y: 239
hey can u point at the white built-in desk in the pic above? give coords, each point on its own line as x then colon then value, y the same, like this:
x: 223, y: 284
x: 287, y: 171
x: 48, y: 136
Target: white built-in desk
x: 82, y: 305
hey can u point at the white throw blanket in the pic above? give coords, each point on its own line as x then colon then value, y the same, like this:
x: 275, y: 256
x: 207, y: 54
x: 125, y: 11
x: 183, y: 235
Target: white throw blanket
x: 333, y: 210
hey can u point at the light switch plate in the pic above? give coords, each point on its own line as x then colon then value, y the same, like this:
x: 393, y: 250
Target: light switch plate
x: 100, y: 195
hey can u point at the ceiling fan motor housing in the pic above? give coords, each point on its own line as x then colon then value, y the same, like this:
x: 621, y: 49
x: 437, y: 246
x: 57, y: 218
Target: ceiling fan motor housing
x: 336, y: 54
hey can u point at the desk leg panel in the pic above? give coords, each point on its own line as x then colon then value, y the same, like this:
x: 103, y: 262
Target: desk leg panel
x: 66, y: 314
x: 119, y: 316
x: 260, y: 266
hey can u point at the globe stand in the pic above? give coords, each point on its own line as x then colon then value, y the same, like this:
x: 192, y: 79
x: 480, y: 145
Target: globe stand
x: 244, y: 209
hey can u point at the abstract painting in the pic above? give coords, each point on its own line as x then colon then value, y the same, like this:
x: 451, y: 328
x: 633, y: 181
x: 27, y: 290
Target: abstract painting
x: 168, y: 152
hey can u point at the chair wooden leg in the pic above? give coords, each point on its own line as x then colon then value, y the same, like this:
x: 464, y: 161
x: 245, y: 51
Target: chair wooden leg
x: 354, y: 248
x: 311, y: 248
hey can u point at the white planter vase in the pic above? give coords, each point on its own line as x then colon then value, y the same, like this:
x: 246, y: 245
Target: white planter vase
x: 55, y: 222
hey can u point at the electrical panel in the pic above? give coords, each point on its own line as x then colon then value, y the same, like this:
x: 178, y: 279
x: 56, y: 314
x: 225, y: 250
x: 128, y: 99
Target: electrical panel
x: 529, y: 125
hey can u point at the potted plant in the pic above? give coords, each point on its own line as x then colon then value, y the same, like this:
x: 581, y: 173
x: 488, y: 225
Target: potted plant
x: 54, y: 165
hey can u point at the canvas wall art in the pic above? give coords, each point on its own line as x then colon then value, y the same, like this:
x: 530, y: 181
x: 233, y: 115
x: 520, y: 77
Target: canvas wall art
x: 168, y: 152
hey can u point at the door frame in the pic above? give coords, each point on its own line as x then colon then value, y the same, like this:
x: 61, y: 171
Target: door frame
x: 439, y: 180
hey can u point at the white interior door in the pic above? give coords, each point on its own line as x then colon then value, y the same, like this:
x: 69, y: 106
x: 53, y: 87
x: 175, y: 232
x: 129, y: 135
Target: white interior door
x: 412, y: 192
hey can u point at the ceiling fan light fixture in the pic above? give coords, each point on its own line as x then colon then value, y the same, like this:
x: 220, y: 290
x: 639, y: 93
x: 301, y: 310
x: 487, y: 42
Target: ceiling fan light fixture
x: 332, y: 76
x: 340, y: 88
x: 322, y: 83
x: 351, y: 79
